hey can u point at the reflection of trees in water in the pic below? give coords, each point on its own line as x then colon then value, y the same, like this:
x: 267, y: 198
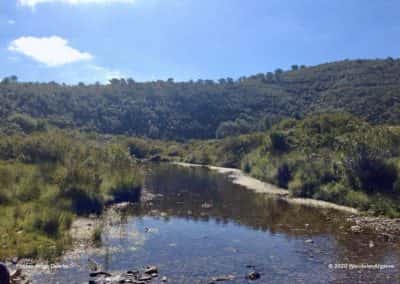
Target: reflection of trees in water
x: 185, y: 190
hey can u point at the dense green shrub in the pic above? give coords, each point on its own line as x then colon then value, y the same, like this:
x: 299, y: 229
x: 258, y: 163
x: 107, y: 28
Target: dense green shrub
x: 278, y: 142
x: 284, y: 175
x: 367, y: 168
x: 126, y: 189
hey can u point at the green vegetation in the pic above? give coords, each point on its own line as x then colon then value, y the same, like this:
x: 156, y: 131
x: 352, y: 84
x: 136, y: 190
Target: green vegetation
x: 206, y: 109
x: 96, y: 235
x: 48, y: 178
x: 326, y: 132
x: 334, y: 157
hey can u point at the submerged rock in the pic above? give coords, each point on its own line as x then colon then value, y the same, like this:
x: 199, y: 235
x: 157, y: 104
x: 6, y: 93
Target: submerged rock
x: 93, y: 265
x: 254, y: 275
x: 223, y: 278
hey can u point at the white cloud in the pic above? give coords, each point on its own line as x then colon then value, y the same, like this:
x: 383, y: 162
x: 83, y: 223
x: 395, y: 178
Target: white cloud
x: 11, y: 22
x: 52, y: 51
x: 104, y: 74
x: 33, y: 3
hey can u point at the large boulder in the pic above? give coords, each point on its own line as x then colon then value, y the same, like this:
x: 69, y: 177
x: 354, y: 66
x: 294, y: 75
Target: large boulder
x: 4, y: 274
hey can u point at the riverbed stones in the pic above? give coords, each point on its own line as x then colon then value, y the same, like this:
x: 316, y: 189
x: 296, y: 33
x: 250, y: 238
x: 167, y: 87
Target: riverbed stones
x: 206, y: 205
x: 99, y: 273
x: 386, y: 228
x: 145, y: 277
x: 355, y: 229
x: 131, y: 276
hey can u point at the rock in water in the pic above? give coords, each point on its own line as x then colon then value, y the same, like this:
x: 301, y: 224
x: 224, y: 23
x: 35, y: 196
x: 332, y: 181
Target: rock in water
x: 100, y: 273
x: 145, y: 277
x: 254, y: 275
x: 93, y: 266
x: 355, y: 229
x: 15, y: 274
x: 4, y: 274
x: 206, y: 205
x: 151, y: 270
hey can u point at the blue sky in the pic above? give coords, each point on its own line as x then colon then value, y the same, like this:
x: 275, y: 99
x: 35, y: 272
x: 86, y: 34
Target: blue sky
x: 94, y: 40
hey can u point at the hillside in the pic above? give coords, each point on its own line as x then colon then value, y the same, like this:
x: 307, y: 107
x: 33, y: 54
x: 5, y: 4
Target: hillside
x: 205, y: 109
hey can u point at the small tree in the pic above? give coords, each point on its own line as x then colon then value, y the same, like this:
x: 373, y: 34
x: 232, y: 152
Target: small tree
x: 278, y: 142
x: 278, y: 73
x: 269, y: 76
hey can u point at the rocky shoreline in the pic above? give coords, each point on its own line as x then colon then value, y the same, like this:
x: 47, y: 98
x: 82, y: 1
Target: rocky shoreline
x: 387, y: 229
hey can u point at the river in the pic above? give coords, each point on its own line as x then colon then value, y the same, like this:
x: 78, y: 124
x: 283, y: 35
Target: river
x: 200, y: 225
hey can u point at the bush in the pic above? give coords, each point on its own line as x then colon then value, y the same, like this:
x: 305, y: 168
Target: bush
x: 127, y: 189
x: 246, y: 167
x: 333, y: 192
x: 385, y: 206
x: 367, y: 169
x: 278, y: 142
x: 303, y: 186
x: 27, y: 123
x: 284, y: 175
x: 357, y: 199
x: 48, y: 221
x: 81, y: 201
x: 96, y: 236
x: 138, y: 149
x: 27, y: 191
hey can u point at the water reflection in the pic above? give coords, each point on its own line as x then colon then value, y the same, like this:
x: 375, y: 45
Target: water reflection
x: 200, y: 225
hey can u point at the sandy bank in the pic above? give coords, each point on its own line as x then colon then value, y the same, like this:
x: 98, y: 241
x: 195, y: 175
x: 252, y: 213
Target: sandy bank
x: 240, y: 178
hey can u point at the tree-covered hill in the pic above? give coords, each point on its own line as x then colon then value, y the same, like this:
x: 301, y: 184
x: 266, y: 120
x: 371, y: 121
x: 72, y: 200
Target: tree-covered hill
x: 369, y: 89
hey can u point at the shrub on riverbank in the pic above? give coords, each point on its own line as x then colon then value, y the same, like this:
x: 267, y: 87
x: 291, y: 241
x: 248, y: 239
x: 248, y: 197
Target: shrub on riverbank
x: 334, y: 157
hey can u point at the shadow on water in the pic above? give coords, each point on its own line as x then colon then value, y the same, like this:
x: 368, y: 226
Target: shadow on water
x: 200, y: 225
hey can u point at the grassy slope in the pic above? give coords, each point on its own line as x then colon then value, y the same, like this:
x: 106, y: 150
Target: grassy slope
x: 49, y: 178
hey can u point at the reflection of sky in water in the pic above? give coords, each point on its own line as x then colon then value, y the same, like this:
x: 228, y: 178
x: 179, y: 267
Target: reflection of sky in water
x: 191, y: 243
